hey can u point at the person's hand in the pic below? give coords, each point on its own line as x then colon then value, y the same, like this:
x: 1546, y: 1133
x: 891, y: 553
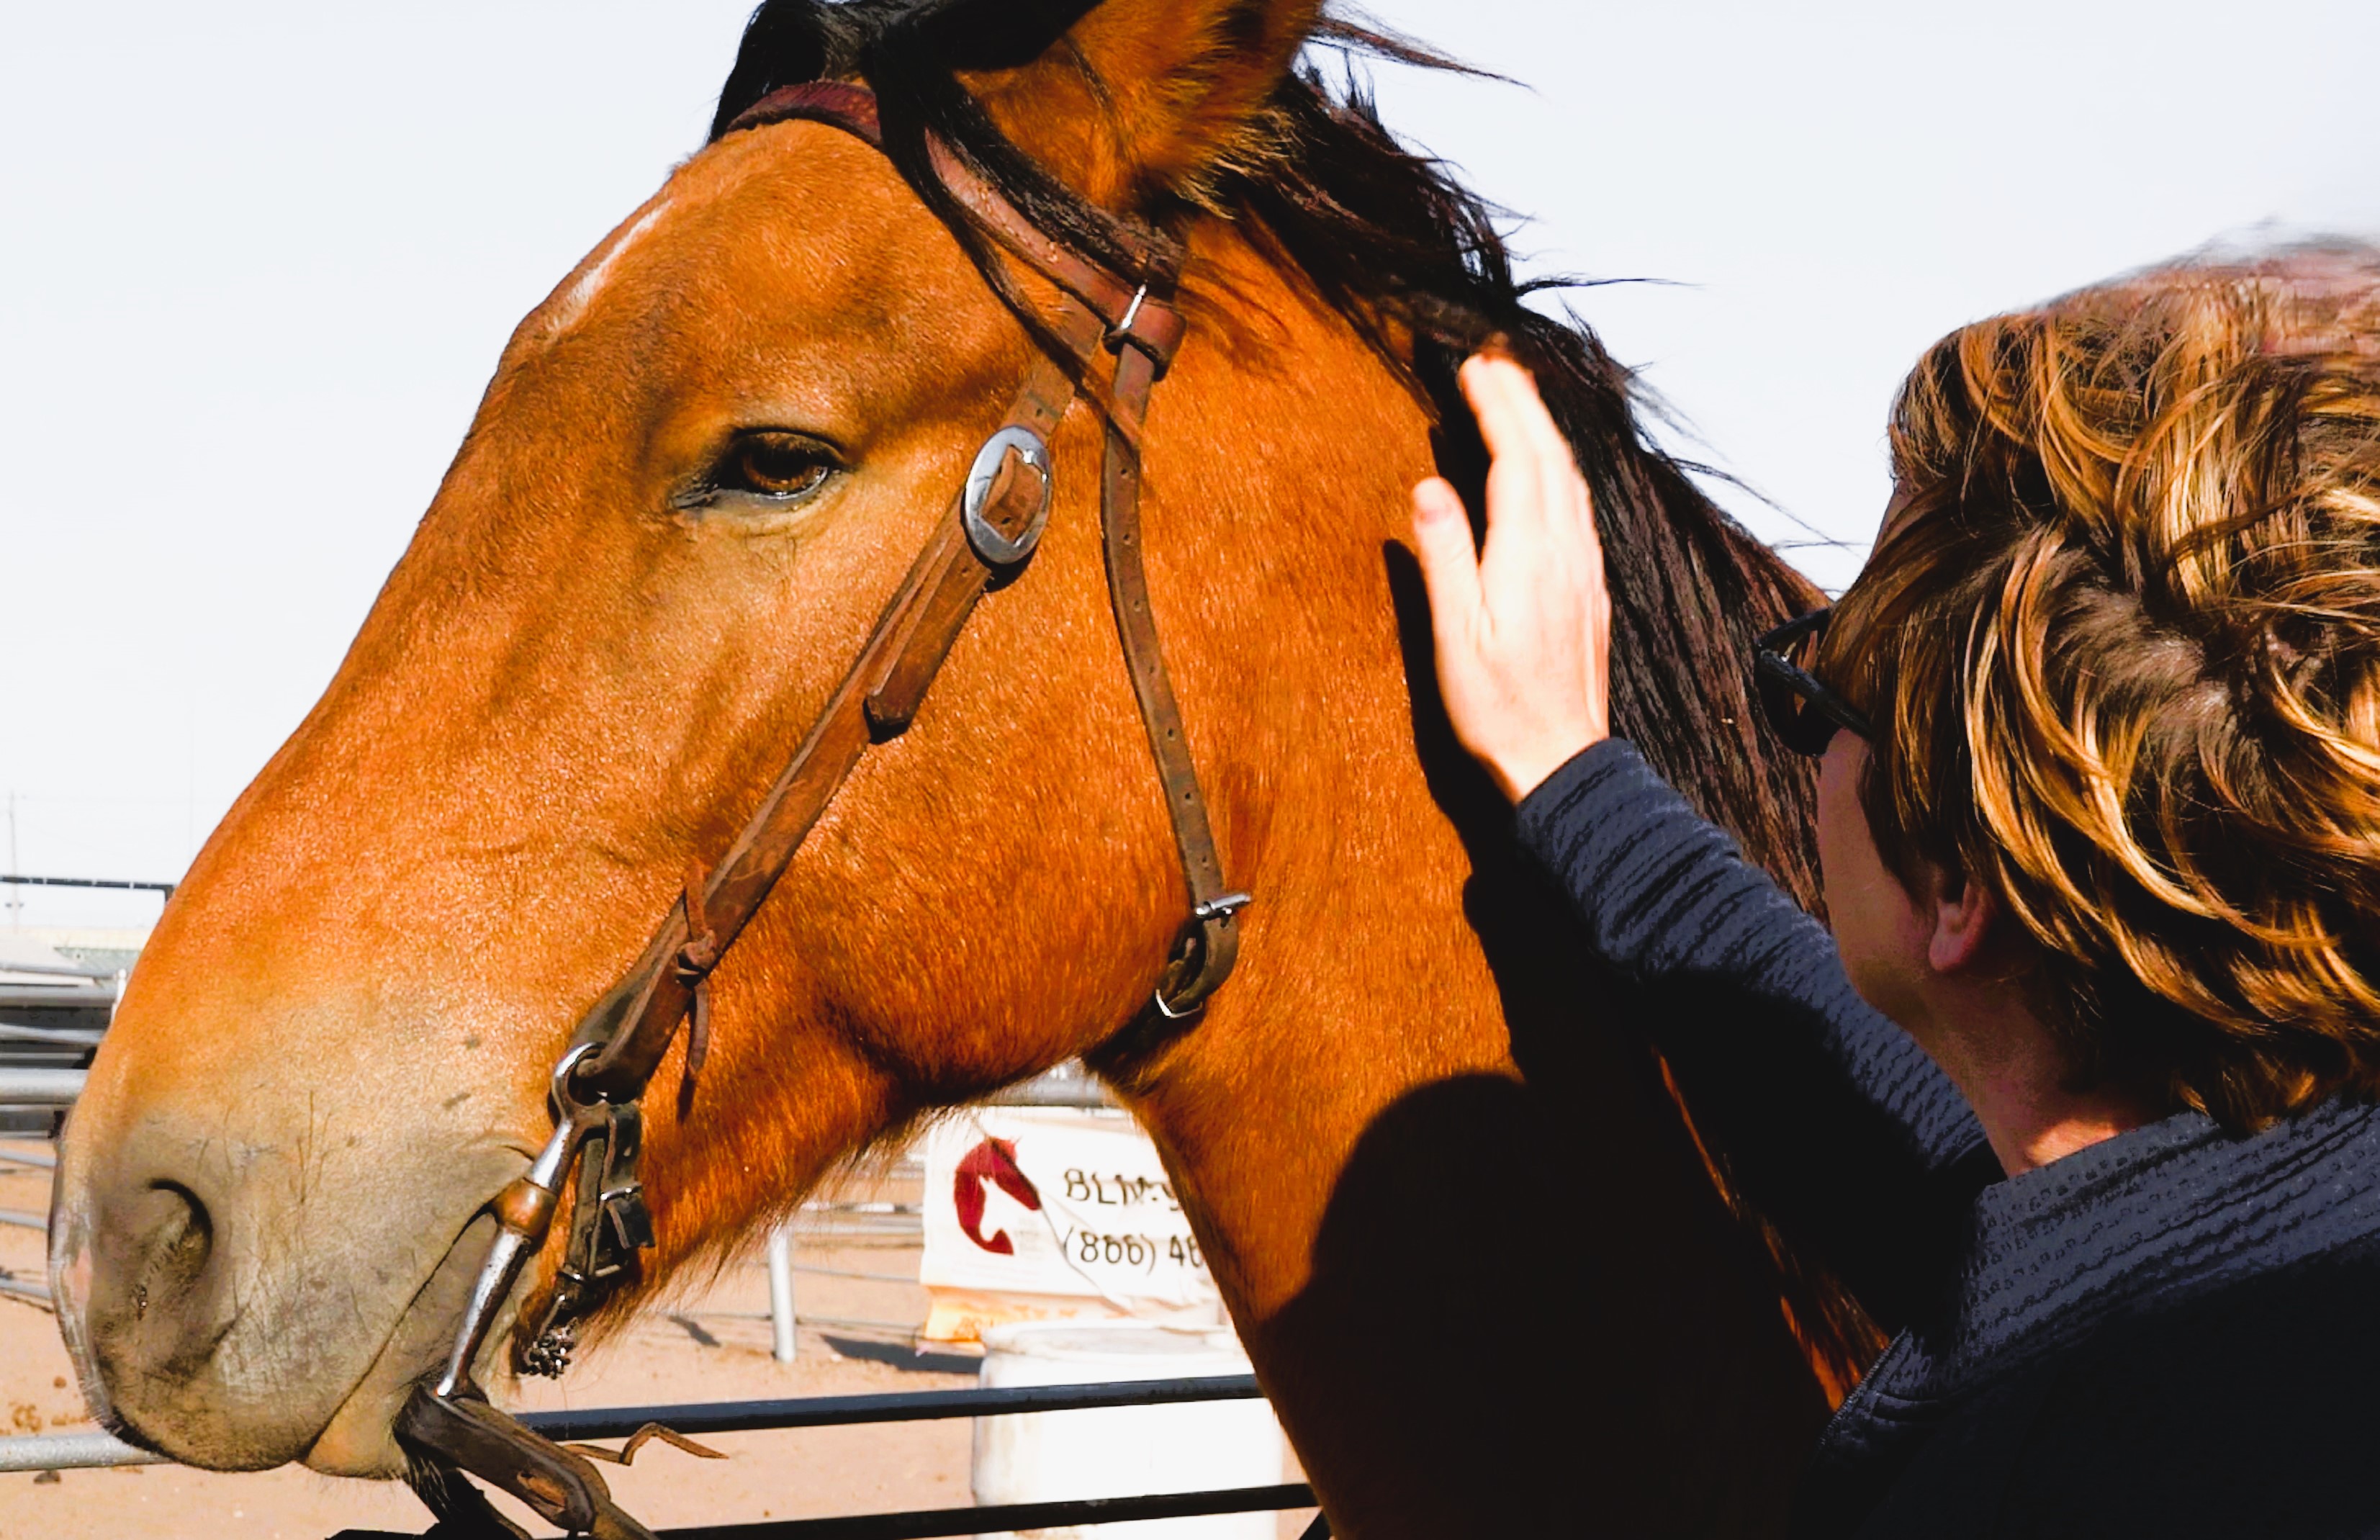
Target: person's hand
x: 1524, y: 628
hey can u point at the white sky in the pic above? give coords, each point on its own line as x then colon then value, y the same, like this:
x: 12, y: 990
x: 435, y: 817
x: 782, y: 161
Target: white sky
x: 257, y: 261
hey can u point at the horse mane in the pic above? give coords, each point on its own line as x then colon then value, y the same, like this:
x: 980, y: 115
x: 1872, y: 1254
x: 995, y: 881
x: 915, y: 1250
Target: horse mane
x: 1416, y: 260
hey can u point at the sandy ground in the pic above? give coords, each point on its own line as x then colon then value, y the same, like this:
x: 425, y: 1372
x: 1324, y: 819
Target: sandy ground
x: 713, y: 1346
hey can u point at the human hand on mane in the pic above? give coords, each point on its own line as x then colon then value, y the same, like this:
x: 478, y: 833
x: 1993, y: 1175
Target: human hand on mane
x: 1523, y: 627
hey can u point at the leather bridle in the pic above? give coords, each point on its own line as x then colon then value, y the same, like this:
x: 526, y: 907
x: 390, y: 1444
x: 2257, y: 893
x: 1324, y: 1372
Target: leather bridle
x: 986, y: 537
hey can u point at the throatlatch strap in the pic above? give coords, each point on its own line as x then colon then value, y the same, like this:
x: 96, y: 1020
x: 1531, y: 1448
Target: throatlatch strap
x: 1209, y: 941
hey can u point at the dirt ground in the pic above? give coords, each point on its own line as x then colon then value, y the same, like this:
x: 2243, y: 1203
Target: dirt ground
x: 712, y: 1347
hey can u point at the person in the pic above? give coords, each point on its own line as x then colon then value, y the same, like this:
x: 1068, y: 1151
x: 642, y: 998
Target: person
x: 2077, y: 1096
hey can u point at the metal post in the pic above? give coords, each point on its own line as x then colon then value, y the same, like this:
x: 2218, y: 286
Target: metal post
x: 781, y: 1292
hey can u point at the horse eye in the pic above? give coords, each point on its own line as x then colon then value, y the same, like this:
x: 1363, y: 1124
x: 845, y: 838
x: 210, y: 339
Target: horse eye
x: 780, y: 467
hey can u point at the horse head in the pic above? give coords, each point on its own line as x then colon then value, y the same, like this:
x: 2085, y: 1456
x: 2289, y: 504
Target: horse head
x: 703, y: 465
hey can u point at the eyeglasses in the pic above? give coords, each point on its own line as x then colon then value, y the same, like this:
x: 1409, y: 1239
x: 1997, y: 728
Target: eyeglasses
x: 1804, y: 713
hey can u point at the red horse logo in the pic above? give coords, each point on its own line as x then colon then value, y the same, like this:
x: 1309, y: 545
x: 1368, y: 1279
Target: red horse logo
x: 992, y: 1160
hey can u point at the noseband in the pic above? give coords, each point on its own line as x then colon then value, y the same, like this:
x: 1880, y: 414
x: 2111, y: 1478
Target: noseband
x: 986, y: 537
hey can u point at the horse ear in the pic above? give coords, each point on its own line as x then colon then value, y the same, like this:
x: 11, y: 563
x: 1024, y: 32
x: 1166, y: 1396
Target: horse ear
x: 1140, y: 98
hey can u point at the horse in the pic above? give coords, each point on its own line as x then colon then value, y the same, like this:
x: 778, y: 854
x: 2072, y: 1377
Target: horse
x: 1490, y: 1274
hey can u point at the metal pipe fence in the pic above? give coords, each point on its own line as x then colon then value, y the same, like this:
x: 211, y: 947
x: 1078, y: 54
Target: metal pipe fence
x: 50, y: 1037
x: 928, y: 1523
x: 97, y: 1451
x: 71, y: 1451
x: 828, y: 1221
x: 905, y: 1406
x: 76, y: 1451
x: 10, y: 879
x: 55, y: 970
x: 26, y: 1087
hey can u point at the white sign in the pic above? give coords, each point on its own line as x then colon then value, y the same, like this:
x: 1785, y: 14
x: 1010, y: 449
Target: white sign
x: 1046, y: 1213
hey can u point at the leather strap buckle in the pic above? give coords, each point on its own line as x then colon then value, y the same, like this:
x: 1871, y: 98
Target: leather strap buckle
x: 1151, y: 325
x: 1202, y: 958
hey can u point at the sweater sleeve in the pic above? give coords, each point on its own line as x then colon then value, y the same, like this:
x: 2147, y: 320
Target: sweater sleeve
x: 1834, y: 1124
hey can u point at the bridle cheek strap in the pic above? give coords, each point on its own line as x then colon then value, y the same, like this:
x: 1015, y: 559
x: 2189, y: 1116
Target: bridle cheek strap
x: 986, y: 537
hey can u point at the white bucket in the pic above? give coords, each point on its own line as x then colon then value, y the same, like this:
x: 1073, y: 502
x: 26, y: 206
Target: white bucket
x: 1124, y: 1451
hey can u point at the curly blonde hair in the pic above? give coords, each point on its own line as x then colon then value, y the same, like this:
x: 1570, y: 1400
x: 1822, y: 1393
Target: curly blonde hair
x: 2121, y: 644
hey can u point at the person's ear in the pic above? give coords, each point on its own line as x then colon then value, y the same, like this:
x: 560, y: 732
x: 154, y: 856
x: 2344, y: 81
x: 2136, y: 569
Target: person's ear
x: 1966, y: 916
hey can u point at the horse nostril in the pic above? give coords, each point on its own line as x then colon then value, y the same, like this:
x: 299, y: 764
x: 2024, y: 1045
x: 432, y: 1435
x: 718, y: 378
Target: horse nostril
x: 176, y: 1237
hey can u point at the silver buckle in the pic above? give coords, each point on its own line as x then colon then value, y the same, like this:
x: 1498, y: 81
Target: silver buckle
x: 997, y: 550
x: 1122, y: 329
x: 1220, y: 907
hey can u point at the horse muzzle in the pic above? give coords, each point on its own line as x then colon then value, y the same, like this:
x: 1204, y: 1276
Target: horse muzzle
x: 238, y: 1306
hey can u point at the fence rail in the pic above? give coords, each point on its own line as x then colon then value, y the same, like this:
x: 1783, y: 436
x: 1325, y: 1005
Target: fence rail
x: 58, y: 970
x: 95, y: 1450
x: 50, y: 1036
x: 72, y: 1452
x: 9, y: 879
x: 27, y: 1087
x: 928, y: 1523
x: 908, y: 1406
